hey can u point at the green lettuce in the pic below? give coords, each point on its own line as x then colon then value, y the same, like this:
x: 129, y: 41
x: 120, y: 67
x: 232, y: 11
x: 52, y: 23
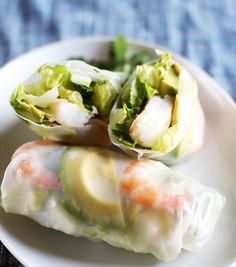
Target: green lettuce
x: 122, y: 121
x: 54, y: 75
x: 51, y: 76
x: 168, y: 139
x: 119, y: 58
x: 119, y: 48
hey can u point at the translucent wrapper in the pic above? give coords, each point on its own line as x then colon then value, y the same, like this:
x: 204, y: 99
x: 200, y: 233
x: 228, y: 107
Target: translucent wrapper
x: 158, y: 114
x: 69, y: 101
x: 141, y: 206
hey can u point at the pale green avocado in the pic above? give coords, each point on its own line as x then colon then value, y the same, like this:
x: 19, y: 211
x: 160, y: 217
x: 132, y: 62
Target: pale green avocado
x: 30, y: 112
x: 89, y: 180
x: 170, y: 83
x: 104, y: 96
x: 25, y: 109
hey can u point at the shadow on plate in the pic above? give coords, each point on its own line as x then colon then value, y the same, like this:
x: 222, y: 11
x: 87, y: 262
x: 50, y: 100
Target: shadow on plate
x: 60, y: 245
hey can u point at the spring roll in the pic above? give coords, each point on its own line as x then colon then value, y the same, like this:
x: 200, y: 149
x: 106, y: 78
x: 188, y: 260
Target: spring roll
x: 101, y: 195
x: 158, y: 114
x: 69, y: 102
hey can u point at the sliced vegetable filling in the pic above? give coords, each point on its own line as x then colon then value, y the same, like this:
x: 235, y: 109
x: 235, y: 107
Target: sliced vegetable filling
x: 146, y: 104
x: 68, y: 94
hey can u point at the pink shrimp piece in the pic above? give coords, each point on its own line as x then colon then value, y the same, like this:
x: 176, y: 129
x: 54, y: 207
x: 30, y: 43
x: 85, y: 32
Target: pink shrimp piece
x: 130, y: 185
x: 26, y: 168
x: 141, y: 193
x: 169, y: 201
x: 138, y: 192
x: 146, y: 198
x: 40, y: 177
x: 131, y: 166
x: 47, y: 180
x: 31, y: 145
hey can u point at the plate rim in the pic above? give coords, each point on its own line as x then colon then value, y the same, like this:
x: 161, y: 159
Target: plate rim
x: 219, y: 89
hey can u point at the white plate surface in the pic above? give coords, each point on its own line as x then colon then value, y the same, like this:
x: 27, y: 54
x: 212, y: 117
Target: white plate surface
x: 215, y: 165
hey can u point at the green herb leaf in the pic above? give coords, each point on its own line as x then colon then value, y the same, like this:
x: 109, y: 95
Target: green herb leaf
x: 119, y: 47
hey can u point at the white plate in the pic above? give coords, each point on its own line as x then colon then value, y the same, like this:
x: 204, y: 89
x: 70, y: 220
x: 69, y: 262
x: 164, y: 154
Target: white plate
x: 215, y: 165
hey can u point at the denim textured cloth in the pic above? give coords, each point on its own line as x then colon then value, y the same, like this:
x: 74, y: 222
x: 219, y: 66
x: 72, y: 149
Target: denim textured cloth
x: 202, y: 30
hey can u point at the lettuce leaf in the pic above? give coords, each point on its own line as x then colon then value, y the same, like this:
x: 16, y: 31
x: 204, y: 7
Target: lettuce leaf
x: 46, y: 78
x: 119, y: 59
x: 137, y: 95
x: 42, y: 101
x: 54, y: 76
x: 168, y: 139
x: 121, y: 123
x: 119, y: 48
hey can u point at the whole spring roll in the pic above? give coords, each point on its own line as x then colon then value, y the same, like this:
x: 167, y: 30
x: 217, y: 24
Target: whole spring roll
x: 69, y: 102
x: 95, y: 193
x: 158, y: 114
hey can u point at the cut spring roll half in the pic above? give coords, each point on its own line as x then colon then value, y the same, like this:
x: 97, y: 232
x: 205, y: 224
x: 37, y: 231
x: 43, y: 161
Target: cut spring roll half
x: 158, y: 114
x: 69, y: 101
x: 95, y: 193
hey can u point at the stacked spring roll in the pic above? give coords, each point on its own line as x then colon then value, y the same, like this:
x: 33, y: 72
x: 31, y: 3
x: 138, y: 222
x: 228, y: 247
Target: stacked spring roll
x: 69, y: 102
x: 139, y: 205
x: 158, y: 114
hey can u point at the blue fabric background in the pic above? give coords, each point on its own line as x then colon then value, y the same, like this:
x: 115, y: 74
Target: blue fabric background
x: 202, y: 30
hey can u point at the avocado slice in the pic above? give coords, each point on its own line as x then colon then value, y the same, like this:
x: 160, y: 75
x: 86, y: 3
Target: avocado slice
x: 170, y: 83
x: 104, y: 96
x: 89, y: 180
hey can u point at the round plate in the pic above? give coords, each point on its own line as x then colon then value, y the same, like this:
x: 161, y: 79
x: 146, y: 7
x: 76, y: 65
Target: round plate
x: 215, y: 165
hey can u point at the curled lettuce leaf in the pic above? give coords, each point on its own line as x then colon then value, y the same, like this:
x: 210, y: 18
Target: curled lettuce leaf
x: 43, y: 100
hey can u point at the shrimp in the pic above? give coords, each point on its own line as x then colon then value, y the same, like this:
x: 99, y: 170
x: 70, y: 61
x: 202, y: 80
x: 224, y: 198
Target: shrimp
x: 138, y: 190
x: 131, y: 166
x: 152, y: 121
x: 33, y: 161
x: 146, y: 195
x: 40, y: 177
x: 31, y: 145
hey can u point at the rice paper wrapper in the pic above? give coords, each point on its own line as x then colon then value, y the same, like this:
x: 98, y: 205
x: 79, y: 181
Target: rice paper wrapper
x: 162, y: 211
x: 94, y: 133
